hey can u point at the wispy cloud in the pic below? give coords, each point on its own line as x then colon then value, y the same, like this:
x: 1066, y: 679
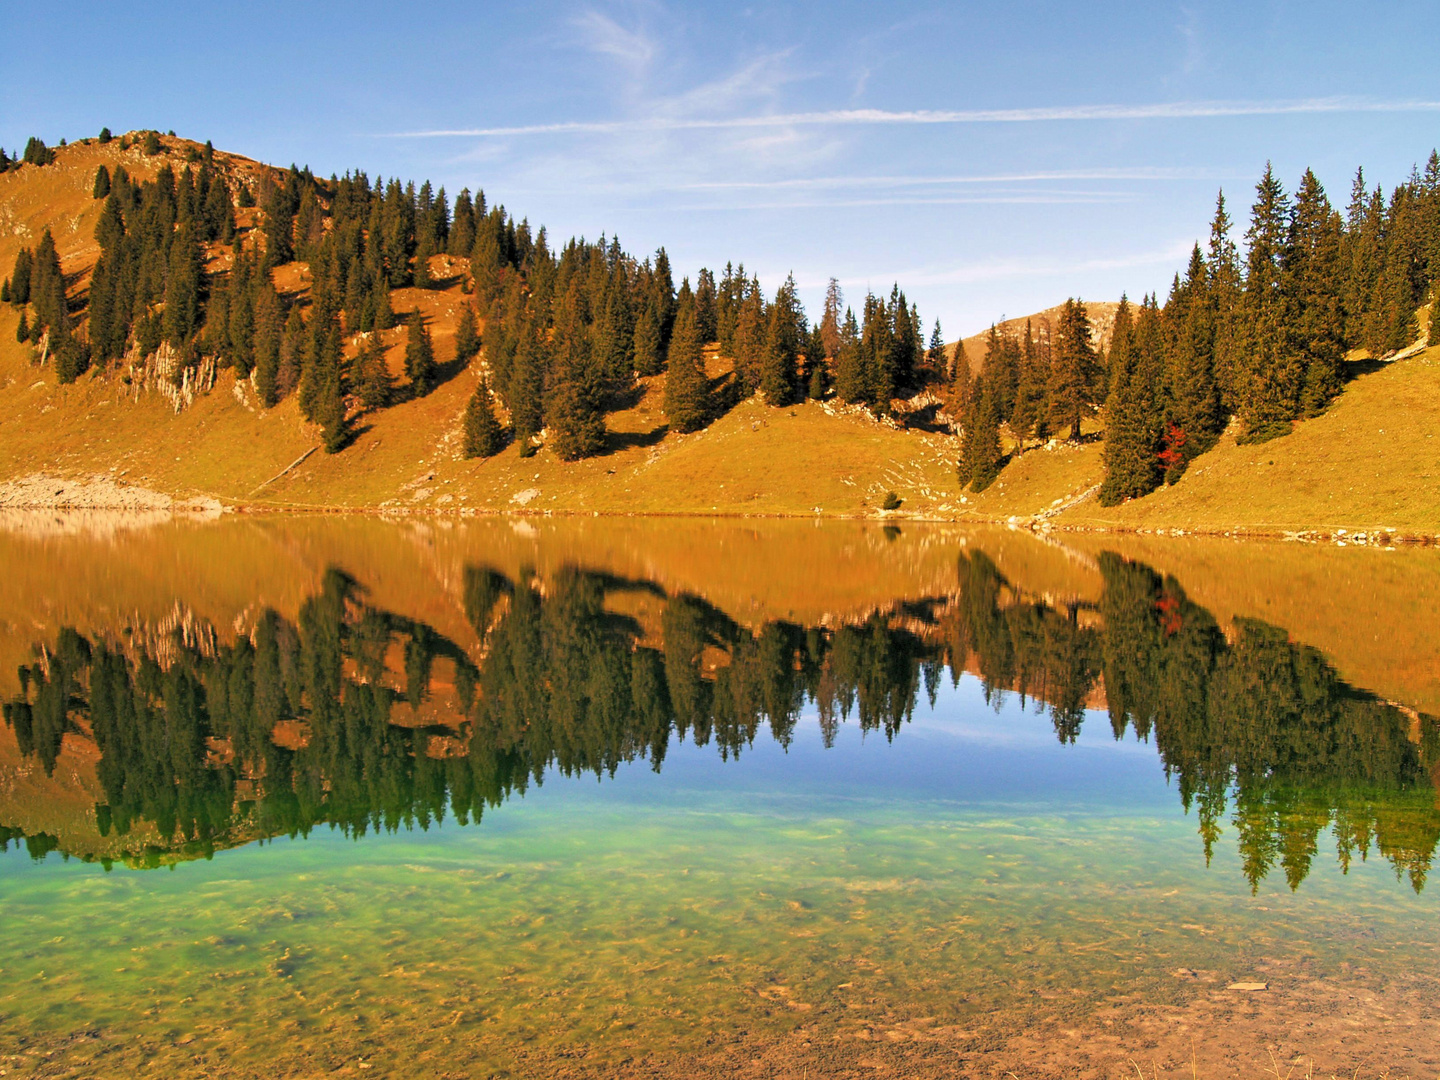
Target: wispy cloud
x: 1179, y: 110
x: 812, y: 183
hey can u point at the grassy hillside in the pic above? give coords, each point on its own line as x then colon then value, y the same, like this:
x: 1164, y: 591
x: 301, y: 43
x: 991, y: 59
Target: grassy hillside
x: 1369, y: 462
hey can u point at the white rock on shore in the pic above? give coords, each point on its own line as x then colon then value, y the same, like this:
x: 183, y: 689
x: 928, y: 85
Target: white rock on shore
x: 40, y: 492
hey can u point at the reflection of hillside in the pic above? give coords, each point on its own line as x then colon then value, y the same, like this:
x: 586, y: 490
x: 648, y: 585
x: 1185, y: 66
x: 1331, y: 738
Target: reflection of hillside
x: 357, y: 717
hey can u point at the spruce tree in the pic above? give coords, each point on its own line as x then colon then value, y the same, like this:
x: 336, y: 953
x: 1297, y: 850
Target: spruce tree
x: 687, y: 390
x: 1312, y: 281
x: 783, y: 332
x: 102, y: 183
x: 22, y: 328
x: 268, y: 331
x: 1029, y: 415
x: 852, y: 381
x: 419, y: 356
x: 467, y: 339
x: 648, y: 358
x: 575, y: 402
x: 1131, y: 423
x: 980, y: 456
x: 424, y: 249
x: 104, y: 136
x: 1074, y: 372
x: 1275, y: 369
x: 373, y: 384
x: 483, y: 435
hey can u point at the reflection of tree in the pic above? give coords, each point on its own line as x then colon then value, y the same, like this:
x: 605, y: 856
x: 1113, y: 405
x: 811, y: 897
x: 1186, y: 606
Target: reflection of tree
x: 343, y: 717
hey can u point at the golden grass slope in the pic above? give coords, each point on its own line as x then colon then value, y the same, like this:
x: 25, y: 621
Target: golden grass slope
x: 1371, y: 461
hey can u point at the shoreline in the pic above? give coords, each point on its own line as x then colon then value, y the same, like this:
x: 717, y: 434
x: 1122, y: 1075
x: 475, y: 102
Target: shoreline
x: 44, y: 493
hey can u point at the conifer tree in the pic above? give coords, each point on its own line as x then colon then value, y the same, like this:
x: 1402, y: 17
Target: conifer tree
x: 1223, y: 289
x: 182, y: 287
x: 687, y: 390
x: 852, y: 380
x: 483, y: 435
x: 373, y: 384
x: 268, y: 332
x: 1075, y: 370
x: 1194, y: 403
x: 935, y: 354
x: 980, y: 456
x: 574, y: 406
x: 648, y: 358
x: 292, y: 353
x: 830, y: 319
x: 962, y: 384
x: 1312, y: 282
x: 706, y: 313
x: 424, y: 249
x: 20, y: 278
x: 104, y: 136
x: 419, y: 356
x: 783, y: 333
x: 523, y: 392
x: 22, y: 328
x: 1029, y: 415
x: 467, y: 339
x: 1275, y: 370
x: 1131, y: 424
x: 102, y: 183
x: 279, y: 228
x: 462, y: 232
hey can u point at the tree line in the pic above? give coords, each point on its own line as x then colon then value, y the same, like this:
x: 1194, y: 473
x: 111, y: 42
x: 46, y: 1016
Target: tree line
x: 566, y: 333
x: 1259, y: 336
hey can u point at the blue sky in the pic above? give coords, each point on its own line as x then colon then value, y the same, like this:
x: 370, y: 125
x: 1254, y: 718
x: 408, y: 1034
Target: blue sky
x: 992, y: 158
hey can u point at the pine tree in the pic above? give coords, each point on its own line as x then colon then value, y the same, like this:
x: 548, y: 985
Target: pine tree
x: 1194, y: 396
x: 648, y: 358
x: 104, y: 136
x: 424, y: 249
x: 419, y: 356
x: 373, y: 384
x: 462, y: 233
x: 22, y: 328
x: 102, y: 183
x: 20, y: 278
x: 268, y: 332
x: 483, y: 435
x: 1075, y: 370
x: 279, y: 228
x: 1275, y: 369
x: 962, y: 384
x: 830, y: 319
x: 1312, y: 282
x: 687, y: 390
x: 575, y: 401
x: 1223, y: 288
x: 980, y: 456
x: 783, y: 333
x: 935, y: 354
x: 467, y: 339
x: 525, y: 387
x: 1028, y: 417
x: 852, y: 380
x: 1131, y: 423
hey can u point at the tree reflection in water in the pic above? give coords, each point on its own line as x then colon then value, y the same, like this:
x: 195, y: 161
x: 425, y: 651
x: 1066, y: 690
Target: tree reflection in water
x: 363, y: 719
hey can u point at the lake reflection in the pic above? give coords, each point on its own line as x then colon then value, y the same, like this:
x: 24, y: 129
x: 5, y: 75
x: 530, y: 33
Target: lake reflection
x: 366, y: 719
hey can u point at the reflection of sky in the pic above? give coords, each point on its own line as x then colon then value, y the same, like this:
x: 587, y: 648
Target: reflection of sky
x: 965, y: 751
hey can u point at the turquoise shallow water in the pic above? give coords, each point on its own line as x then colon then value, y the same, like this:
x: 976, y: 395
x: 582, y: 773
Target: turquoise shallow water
x: 972, y: 864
